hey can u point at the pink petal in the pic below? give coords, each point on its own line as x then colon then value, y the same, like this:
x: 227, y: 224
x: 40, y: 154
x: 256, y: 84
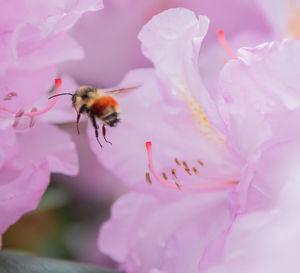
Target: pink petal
x: 21, y: 194
x: 172, y: 41
x: 38, y: 31
x: 29, y: 85
x: 144, y: 233
x: 268, y: 230
x: 282, y: 17
x: 8, y: 147
x: 98, y: 69
x: 48, y: 142
x: 54, y: 50
x: 263, y: 82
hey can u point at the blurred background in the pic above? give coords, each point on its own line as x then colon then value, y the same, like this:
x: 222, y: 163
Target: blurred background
x: 67, y: 221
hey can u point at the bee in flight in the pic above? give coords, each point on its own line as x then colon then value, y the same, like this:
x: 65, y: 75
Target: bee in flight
x: 96, y: 103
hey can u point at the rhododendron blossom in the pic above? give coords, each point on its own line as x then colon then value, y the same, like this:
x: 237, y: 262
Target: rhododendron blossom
x: 33, y: 40
x: 28, y: 156
x: 211, y: 161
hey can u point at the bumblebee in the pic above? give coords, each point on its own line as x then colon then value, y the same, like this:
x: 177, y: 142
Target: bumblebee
x: 96, y: 103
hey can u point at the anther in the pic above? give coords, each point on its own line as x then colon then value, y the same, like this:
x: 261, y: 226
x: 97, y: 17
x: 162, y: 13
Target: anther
x: 20, y: 113
x: 186, y: 168
x: 195, y: 170
x: 178, y: 186
x: 223, y: 42
x: 177, y: 161
x: 164, y: 176
x: 173, y: 171
x: 148, y: 179
x: 16, y: 123
x: 9, y: 95
x: 200, y: 162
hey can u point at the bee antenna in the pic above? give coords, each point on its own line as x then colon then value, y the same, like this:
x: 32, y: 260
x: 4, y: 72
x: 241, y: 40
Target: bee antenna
x: 61, y: 94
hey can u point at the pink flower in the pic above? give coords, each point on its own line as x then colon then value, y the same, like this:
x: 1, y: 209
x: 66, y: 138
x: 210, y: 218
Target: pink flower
x: 33, y: 40
x: 230, y: 138
x: 27, y: 157
x: 267, y: 87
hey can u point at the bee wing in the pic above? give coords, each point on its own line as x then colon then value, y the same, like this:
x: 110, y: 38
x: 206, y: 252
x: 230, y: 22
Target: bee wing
x: 121, y: 91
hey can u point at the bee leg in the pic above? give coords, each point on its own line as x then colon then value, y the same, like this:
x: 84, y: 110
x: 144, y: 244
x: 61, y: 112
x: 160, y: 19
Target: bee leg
x: 104, y: 134
x: 81, y: 110
x: 95, y: 125
x: 77, y: 123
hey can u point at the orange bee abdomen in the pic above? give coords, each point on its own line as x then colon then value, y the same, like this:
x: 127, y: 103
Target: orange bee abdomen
x: 106, y: 109
x: 104, y: 104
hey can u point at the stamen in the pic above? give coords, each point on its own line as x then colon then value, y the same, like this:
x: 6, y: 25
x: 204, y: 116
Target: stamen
x: 148, y: 179
x: 194, y: 188
x: 223, y: 42
x: 9, y: 95
x: 36, y: 113
x: 200, y: 162
x: 165, y: 176
x: 177, y: 161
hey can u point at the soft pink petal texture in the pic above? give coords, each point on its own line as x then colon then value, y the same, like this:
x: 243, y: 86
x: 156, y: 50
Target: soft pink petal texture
x: 213, y: 56
x: 29, y: 86
x: 144, y: 232
x: 31, y: 29
x: 58, y: 49
x: 22, y: 193
x: 101, y: 43
x: 8, y: 146
x: 269, y: 230
x: 159, y: 120
x: 94, y: 182
x: 172, y: 41
x: 46, y: 141
x: 257, y: 90
x: 282, y: 16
